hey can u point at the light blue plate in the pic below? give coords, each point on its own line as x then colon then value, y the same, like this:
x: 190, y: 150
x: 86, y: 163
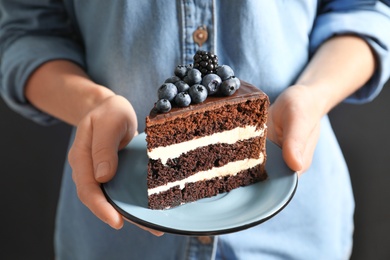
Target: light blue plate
x: 225, y: 213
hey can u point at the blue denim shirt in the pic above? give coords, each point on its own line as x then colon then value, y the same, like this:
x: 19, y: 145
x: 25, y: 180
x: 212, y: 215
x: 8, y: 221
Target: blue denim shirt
x: 132, y: 46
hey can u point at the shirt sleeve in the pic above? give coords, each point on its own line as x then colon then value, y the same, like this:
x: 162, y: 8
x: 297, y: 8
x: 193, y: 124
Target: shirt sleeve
x: 372, y: 23
x: 32, y: 33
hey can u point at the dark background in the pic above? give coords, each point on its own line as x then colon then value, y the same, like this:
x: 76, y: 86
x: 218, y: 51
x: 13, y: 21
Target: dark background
x: 32, y: 157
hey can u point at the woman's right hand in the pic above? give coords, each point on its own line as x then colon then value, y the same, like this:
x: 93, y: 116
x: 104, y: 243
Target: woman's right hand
x: 93, y: 156
x: 105, y: 124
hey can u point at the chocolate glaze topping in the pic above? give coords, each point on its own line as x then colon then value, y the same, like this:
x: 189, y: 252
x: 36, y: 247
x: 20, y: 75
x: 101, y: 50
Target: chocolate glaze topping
x: 246, y: 91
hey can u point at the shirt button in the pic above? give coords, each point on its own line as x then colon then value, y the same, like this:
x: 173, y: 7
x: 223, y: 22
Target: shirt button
x: 200, y: 35
x: 205, y: 240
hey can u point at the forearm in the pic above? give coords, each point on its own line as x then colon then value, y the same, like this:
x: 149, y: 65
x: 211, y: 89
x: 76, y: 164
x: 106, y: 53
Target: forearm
x: 63, y: 90
x: 341, y: 66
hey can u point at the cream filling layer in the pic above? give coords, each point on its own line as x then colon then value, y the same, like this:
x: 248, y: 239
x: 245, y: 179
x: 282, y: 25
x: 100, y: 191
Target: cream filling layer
x: 229, y: 169
x: 227, y: 137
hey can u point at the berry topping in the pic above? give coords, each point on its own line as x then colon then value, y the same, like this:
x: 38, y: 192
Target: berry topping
x: 194, y: 77
x: 172, y: 79
x: 238, y: 82
x: 225, y: 72
x: 228, y: 87
x: 167, y: 91
x: 192, y: 83
x: 163, y: 105
x: 212, y: 83
x: 181, y: 71
x: 183, y: 99
x: 206, y: 62
x: 198, y: 93
x: 182, y: 86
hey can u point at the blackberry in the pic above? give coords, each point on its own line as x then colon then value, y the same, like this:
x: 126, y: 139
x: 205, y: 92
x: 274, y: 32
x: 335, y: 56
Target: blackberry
x: 206, y: 62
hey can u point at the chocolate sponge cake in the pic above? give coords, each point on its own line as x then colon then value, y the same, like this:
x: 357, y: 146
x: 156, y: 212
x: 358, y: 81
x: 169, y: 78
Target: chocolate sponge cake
x: 207, y: 148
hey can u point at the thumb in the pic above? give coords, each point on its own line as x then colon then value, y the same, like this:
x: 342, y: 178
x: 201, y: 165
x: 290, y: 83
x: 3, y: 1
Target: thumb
x: 293, y: 146
x: 292, y: 155
x: 105, y: 145
x: 114, y: 123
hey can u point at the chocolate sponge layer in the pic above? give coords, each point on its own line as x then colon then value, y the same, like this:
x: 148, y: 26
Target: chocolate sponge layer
x: 202, y: 159
x: 204, y: 123
x: 194, y: 191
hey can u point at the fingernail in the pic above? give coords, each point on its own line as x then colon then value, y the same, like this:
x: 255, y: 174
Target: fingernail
x: 102, y: 170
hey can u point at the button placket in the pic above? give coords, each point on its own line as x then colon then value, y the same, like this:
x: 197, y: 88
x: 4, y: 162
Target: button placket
x: 198, y: 23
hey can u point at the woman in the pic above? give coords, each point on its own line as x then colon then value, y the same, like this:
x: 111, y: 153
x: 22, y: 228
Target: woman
x: 97, y: 65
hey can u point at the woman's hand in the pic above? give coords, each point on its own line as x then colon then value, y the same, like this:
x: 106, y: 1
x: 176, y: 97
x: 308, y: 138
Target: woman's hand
x: 94, y: 154
x: 339, y: 67
x: 105, y: 124
x: 294, y: 124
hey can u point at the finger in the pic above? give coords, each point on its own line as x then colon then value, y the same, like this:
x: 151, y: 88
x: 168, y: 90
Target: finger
x: 299, y: 143
x: 91, y: 195
x: 294, y: 140
x: 109, y: 135
x: 104, y: 154
x: 280, y: 133
x: 88, y: 189
x: 310, y: 148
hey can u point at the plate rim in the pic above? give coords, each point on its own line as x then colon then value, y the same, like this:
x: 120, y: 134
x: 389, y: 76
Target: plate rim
x: 218, y: 231
x: 164, y: 229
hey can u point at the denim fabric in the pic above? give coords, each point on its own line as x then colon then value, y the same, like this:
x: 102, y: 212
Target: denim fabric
x: 133, y: 46
x: 198, y: 250
x: 337, y: 6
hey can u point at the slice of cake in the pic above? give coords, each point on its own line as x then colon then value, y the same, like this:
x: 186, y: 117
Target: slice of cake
x: 207, y: 148
x: 205, y: 135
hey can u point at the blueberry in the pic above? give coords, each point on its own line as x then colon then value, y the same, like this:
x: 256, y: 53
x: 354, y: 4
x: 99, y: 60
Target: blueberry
x: 183, y: 99
x: 163, y: 105
x: 167, y: 91
x: 225, y: 72
x: 182, y: 86
x: 212, y: 83
x: 198, y: 93
x: 238, y: 82
x: 228, y: 87
x: 187, y: 80
x: 181, y: 71
x: 172, y: 79
x: 194, y: 77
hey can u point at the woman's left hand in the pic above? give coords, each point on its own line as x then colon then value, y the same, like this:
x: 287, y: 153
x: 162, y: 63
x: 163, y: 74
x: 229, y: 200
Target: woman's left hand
x: 294, y: 124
